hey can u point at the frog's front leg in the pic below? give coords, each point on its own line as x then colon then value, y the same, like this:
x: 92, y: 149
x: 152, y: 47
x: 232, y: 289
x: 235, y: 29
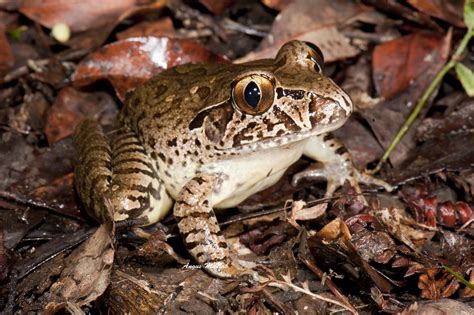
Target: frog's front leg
x: 198, y: 226
x: 120, y: 171
x: 337, y: 165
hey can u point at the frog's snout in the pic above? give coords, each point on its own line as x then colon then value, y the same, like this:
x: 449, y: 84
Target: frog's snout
x: 325, y: 111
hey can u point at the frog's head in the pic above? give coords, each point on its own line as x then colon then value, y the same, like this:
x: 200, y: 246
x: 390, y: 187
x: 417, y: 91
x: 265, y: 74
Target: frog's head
x: 275, y: 102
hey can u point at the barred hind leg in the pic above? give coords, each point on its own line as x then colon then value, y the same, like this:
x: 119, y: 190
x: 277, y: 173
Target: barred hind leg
x: 123, y: 172
x: 198, y: 226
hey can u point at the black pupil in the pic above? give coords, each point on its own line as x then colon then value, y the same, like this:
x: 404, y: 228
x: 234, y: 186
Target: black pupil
x: 252, y: 94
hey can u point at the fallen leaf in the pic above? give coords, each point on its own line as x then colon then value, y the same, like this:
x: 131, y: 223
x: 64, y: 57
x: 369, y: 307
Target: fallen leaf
x: 72, y: 106
x: 130, y: 62
x: 452, y: 153
x: 397, y: 9
x: 78, y: 15
x: 87, y: 271
x: 458, y: 120
x: 375, y: 246
x: 318, y: 22
x: 217, y: 7
x: 7, y: 59
x: 436, y: 283
x: 161, y: 27
x: 409, y: 60
x: 404, y: 228
x: 442, y: 306
x: 450, y: 11
x: 265, y: 235
x: 300, y: 212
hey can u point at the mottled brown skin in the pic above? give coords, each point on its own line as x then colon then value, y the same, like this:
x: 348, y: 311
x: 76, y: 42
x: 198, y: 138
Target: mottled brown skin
x: 191, y: 135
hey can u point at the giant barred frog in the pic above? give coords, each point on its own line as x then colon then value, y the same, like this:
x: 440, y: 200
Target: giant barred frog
x: 207, y: 136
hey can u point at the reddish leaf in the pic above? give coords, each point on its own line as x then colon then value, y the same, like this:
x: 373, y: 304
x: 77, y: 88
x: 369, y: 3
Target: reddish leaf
x: 451, y: 11
x: 7, y: 60
x: 398, y: 63
x: 72, y: 106
x: 78, y: 15
x: 127, y: 63
x: 217, y: 7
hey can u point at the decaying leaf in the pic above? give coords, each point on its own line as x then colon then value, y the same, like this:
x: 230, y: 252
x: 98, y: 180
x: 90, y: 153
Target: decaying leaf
x: 408, y: 60
x: 401, y: 225
x: 305, y: 20
x: 132, y: 61
x: 450, y: 11
x: 78, y: 15
x: 87, y: 271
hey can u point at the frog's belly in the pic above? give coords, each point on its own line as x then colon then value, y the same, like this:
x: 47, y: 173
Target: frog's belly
x: 249, y: 174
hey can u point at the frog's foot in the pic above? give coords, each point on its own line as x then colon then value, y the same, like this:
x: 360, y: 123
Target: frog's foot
x: 337, y: 167
x: 336, y: 174
x: 201, y: 234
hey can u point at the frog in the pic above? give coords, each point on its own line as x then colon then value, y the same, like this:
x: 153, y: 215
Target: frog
x: 201, y: 137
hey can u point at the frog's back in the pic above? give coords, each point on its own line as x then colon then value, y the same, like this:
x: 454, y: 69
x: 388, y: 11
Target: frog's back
x: 180, y: 92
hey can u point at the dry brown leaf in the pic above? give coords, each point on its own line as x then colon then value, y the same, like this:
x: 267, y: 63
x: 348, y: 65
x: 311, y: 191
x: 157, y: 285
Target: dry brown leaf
x: 442, y: 306
x: 404, y: 228
x: 314, y: 21
x: 87, y: 271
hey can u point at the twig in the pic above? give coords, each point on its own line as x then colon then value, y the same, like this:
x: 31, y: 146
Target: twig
x: 287, y: 282
x: 328, y: 282
x: 421, y: 103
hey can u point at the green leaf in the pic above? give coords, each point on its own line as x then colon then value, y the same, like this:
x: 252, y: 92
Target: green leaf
x: 469, y: 15
x: 466, y: 76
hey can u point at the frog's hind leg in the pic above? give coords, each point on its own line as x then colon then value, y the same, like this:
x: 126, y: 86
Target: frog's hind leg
x: 92, y: 168
x: 198, y: 226
x: 337, y: 165
x: 125, y: 174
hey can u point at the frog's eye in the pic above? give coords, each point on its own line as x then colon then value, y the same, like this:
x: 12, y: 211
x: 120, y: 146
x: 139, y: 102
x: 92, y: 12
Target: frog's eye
x: 253, y: 94
x: 316, y: 55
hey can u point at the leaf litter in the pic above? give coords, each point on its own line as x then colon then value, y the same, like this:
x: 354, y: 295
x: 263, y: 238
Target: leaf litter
x: 406, y: 251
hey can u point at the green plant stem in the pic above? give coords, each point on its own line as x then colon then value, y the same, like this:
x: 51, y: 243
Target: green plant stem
x: 459, y: 277
x: 414, y: 114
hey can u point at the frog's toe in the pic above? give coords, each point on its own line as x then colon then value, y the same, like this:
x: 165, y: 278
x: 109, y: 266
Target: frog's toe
x: 368, y: 179
x: 311, y: 173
